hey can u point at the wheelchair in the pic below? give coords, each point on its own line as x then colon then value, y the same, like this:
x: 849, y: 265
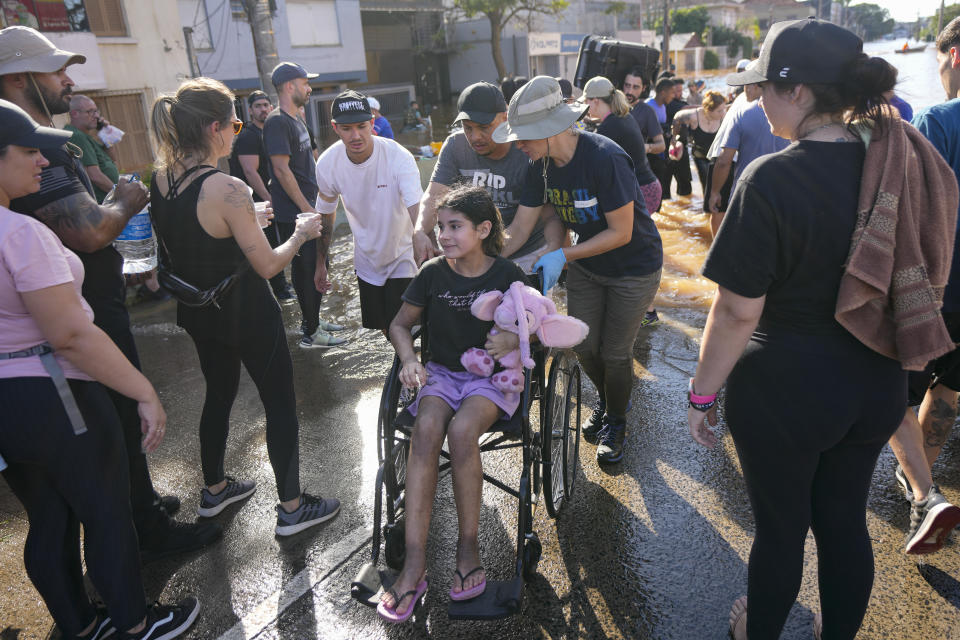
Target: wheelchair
x: 545, y: 426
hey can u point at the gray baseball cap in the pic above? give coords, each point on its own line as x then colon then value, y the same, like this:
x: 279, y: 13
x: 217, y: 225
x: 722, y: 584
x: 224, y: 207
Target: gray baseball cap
x: 26, y: 50
x: 286, y: 71
x: 537, y: 111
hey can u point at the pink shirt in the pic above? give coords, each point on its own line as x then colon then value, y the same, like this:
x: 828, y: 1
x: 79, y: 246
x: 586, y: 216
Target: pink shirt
x: 31, y: 258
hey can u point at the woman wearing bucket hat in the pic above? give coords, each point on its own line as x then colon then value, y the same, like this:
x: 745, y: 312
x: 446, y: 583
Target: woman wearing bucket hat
x: 60, y: 434
x: 614, y: 270
x: 811, y: 397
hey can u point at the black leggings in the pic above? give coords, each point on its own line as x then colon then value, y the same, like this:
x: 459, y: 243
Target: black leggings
x: 267, y: 360
x: 64, y: 480
x: 809, y: 416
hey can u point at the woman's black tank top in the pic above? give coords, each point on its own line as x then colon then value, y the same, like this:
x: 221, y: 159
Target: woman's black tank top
x: 248, y: 309
x: 701, y: 140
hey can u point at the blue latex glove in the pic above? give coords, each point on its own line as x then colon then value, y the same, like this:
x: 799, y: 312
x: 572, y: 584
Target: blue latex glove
x: 551, y: 265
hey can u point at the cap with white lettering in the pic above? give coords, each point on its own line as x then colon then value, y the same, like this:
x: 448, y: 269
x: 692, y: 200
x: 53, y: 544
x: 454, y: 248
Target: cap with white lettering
x: 351, y: 107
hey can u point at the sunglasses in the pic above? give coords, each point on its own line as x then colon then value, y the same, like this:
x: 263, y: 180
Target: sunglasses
x: 237, y: 127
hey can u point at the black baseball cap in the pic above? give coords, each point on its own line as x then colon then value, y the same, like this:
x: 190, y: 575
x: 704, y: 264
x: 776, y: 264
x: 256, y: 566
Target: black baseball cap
x: 810, y: 51
x: 287, y: 71
x: 257, y: 95
x: 17, y: 127
x: 480, y: 102
x: 351, y: 107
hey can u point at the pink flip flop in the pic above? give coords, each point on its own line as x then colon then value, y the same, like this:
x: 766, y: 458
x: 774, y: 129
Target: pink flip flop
x: 390, y: 613
x: 473, y: 592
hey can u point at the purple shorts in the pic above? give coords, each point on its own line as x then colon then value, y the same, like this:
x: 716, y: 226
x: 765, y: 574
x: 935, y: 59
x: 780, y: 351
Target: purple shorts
x: 453, y: 387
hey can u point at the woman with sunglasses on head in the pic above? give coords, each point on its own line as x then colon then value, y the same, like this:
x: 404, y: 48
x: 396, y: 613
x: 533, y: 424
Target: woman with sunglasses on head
x: 584, y: 182
x: 829, y: 262
x: 208, y: 228
x: 60, y: 438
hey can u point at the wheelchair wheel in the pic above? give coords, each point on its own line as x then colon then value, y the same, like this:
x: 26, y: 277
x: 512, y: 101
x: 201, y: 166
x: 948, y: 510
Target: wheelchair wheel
x: 389, y: 408
x: 560, y: 433
x: 395, y: 544
x: 395, y: 475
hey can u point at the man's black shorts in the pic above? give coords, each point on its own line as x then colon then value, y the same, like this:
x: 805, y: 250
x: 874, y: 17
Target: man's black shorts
x: 944, y: 370
x: 378, y: 305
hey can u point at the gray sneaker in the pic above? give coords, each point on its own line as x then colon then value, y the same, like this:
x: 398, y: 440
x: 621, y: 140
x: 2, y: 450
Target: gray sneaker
x: 931, y: 521
x: 213, y: 503
x: 320, y: 340
x: 312, y: 511
x: 330, y: 326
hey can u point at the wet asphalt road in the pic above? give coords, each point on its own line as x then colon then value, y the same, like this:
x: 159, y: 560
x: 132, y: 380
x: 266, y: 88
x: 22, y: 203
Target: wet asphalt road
x: 655, y: 547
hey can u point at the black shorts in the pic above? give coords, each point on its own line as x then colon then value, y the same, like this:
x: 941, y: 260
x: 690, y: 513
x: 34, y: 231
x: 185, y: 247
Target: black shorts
x: 378, y: 305
x: 724, y: 190
x: 944, y: 370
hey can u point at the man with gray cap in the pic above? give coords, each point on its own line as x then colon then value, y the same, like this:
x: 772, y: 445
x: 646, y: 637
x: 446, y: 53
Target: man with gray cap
x: 470, y: 156
x: 379, y: 183
x: 33, y: 75
x: 293, y: 190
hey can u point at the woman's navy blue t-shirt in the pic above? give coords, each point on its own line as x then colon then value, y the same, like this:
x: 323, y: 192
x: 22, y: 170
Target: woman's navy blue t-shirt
x: 598, y: 179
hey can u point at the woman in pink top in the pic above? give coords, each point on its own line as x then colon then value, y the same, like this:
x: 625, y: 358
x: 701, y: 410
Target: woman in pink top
x: 60, y: 436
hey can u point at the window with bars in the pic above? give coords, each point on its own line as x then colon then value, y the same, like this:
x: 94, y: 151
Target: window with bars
x: 106, y: 17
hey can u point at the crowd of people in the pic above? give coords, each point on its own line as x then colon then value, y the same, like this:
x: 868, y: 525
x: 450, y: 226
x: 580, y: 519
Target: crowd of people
x: 834, y: 223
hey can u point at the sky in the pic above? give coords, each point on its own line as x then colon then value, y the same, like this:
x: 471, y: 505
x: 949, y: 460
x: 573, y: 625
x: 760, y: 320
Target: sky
x: 906, y: 10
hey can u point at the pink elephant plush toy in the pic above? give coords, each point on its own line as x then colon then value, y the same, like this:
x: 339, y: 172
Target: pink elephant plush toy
x: 521, y: 310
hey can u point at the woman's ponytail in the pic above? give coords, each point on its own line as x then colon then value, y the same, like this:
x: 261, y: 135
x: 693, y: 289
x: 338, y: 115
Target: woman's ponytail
x: 868, y: 79
x: 164, y: 130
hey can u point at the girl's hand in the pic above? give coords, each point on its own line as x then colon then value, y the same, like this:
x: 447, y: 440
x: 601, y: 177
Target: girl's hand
x: 153, y: 423
x: 413, y: 375
x: 501, y: 343
x: 699, y: 430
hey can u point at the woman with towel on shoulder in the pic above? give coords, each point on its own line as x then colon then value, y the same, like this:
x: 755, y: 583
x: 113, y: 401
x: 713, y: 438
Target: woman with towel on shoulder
x: 802, y: 336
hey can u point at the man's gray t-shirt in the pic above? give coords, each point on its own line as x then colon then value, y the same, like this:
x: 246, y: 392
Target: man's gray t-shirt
x: 459, y: 164
x: 749, y: 133
x: 284, y: 135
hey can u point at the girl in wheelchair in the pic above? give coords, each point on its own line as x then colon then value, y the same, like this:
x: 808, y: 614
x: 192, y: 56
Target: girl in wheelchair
x: 452, y: 402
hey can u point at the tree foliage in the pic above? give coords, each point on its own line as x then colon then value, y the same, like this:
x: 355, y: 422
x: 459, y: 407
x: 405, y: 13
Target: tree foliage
x: 871, y: 21
x: 738, y: 45
x: 499, y: 13
x: 949, y: 13
x: 689, y: 20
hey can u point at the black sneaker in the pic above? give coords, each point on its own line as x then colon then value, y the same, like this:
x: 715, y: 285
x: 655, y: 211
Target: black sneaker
x: 285, y: 294
x: 169, y: 504
x: 610, y: 439
x: 931, y: 521
x: 594, y: 423
x: 166, y: 621
x: 171, y: 537
x: 650, y: 318
x: 312, y: 511
x: 904, y: 483
x: 213, y: 503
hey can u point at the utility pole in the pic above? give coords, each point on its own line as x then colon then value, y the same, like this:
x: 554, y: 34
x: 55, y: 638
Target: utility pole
x: 940, y: 19
x: 264, y: 45
x: 191, y: 53
x: 666, y: 35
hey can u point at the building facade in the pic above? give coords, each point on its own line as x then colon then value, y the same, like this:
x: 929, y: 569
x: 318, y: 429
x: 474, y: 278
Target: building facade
x: 134, y: 49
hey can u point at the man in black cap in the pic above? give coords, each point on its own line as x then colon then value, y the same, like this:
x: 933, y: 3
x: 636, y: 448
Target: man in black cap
x: 293, y: 190
x: 33, y: 75
x: 249, y: 162
x: 379, y: 183
x: 470, y: 156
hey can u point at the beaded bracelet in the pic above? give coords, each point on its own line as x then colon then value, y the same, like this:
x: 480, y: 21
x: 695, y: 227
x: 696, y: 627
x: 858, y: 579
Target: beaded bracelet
x: 700, y: 403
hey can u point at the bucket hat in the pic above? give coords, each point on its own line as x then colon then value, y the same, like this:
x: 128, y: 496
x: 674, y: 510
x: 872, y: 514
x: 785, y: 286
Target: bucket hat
x: 16, y: 127
x: 810, y: 50
x: 26, y: 50
x: 537, y: 111
x: 597, y: 87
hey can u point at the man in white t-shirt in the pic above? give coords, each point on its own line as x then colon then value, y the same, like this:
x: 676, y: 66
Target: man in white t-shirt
x: 379, y: 183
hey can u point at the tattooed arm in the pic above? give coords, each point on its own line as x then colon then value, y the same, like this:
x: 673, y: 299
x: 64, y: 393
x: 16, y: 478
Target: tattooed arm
x: 83, y: 225
x: 321, y: 279
x: 227, y: 198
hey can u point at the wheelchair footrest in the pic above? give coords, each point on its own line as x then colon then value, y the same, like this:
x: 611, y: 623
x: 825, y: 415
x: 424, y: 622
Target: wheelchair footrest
x: 499, y: 600
x: 370, y: 584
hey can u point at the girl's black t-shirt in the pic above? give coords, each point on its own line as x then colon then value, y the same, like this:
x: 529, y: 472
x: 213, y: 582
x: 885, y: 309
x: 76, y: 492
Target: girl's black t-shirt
x: 446, y: 297
x: 787, y: 234
x: 626, y: 132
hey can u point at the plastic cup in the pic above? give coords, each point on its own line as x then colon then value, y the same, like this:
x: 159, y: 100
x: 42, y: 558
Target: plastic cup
x: 261, y: 209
